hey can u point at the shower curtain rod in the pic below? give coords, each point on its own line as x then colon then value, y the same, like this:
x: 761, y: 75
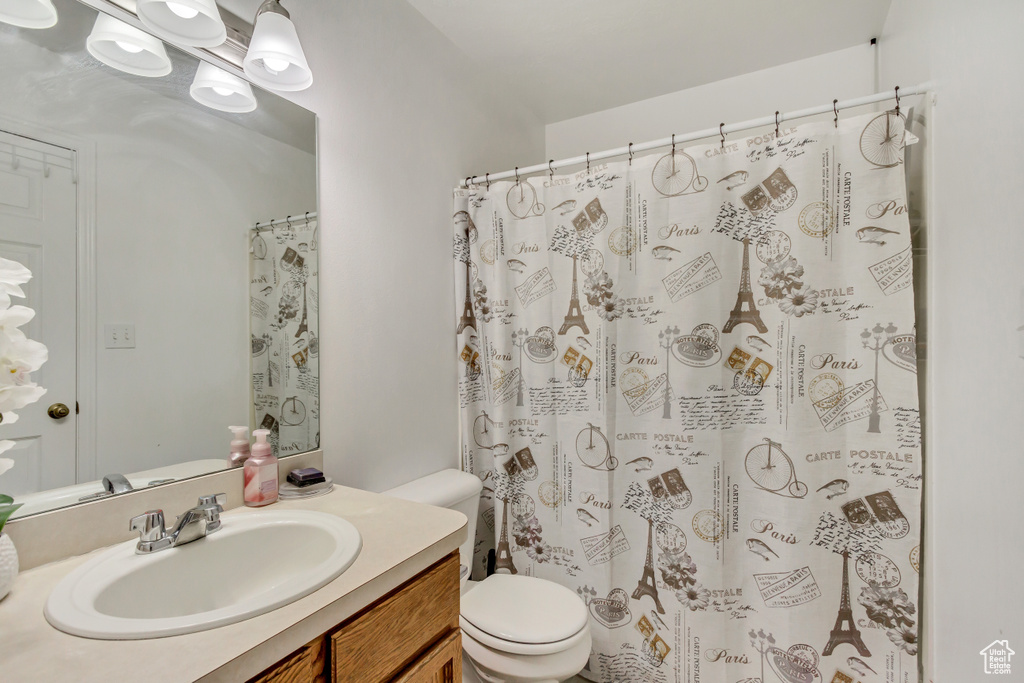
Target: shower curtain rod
x: 283, y: 221
x: 724, y: 129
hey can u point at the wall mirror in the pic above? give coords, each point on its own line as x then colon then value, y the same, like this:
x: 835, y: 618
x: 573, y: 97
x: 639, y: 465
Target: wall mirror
x: 167, y: 316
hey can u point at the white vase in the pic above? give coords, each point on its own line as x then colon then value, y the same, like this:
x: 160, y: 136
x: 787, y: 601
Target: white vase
x: 8, y: 564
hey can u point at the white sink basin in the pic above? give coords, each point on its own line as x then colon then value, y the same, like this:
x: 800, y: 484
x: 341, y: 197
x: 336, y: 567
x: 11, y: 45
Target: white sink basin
x: 255, y: 563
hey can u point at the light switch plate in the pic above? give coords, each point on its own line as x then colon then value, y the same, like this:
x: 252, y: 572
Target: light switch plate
x: 120, y: 336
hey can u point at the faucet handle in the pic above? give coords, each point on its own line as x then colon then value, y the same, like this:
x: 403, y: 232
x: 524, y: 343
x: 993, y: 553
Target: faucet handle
x: 218, y: 499
x: 150, y: 524
x: 212, y: 505
x: 152, y: 535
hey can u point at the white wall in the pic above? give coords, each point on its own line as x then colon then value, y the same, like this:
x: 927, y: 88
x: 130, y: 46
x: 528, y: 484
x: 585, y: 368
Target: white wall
x: 403, y: 116
x: 975, y: 509
x: 805, y: 83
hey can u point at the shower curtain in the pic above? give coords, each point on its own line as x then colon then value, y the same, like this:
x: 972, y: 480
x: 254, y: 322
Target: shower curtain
x: 688, y: 385
x: 284, y: 324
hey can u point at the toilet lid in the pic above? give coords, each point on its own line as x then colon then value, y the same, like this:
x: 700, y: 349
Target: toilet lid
x: 524, y: 609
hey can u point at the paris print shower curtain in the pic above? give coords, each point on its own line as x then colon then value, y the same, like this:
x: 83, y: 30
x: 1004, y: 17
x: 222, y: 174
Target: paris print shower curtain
x: 284, y: 324
x: 688, y: 385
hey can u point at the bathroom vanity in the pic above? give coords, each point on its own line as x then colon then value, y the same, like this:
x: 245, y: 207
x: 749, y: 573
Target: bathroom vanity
x: 410, y: 636
x: 391, y: 616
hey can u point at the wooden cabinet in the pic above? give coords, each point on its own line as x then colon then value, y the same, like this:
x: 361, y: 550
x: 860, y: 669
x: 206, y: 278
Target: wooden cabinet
x: 441, y: 664
x: 409, y: 636
x: 308, y: 665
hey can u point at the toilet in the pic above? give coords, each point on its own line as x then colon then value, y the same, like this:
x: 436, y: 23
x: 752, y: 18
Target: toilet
x: 514, y: 627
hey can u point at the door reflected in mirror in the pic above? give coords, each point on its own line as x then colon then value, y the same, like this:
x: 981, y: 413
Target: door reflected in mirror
x: 167, y: 314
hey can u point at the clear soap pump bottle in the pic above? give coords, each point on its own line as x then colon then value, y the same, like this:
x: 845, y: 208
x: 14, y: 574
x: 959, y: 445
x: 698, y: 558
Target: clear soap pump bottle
x: 239, y: 446
x: 261, y: 472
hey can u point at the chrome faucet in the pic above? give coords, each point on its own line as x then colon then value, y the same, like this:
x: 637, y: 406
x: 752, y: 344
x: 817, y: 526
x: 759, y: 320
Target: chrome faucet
x: 112, y: 483
x: 116, y: 483
x: 191, y: 525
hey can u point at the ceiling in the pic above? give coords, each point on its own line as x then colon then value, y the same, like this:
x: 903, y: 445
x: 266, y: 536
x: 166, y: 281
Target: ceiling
x: 572, y: 57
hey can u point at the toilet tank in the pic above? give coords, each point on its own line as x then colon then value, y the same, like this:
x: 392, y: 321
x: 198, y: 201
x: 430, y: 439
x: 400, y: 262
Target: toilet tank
x: 450, y: 489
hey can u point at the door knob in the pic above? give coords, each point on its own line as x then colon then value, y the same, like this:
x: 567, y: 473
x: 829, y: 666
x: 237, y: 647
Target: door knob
x: 58, y: 411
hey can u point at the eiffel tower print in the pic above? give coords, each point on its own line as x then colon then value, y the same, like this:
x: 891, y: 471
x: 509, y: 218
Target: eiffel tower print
x: 303, y: 327
x: 646, y: 584
x: 745, y: 296
x: 468, y: 318
x: 503, y: 559
x: 574, y: 318
x: 849, y: 634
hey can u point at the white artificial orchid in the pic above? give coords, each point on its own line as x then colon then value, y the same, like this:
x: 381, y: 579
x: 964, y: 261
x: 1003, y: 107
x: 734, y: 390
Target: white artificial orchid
x: 19, y: 358
x: 14, y: 317
x: 12, y: 276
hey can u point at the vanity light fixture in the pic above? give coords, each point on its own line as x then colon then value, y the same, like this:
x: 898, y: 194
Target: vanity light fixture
x: 186, y: 22
x: 126, y: 48
x: 28, y: 13
x: 217, y: 89
x: 275, y: 59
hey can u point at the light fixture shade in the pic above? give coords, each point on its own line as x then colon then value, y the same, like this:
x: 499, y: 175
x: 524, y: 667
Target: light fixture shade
x: 126, y: 48
x: 28, y: 13
x: 274, y: 38
x: 217, y: 89
x: 186, y: 22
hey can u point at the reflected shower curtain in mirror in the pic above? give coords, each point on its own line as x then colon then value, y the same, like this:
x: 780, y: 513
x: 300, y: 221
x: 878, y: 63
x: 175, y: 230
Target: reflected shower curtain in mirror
x: 689, y: 386
x: 284, y: 323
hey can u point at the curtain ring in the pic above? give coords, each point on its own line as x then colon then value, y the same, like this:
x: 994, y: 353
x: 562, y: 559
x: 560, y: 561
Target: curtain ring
x: 897, y: 100
x: 673, y: 144
x: 776, y: 123
x: 631, y: 154
x: 306, y: 218
x: 588, y: 162
x: 517, y: 175
x: 288, y: 221
x: 468, y: 178
x: 487, y: 180
x: 721, y: 131
x: 835, y: 110
x: 551, y: 171
x: 257, y: 227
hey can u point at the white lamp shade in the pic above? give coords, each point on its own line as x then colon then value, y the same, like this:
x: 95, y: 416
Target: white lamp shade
x: 186, y: 22
x: 28, y: 13
x: 126, y: 48
x: 276, y: 44
x: 217, y: 89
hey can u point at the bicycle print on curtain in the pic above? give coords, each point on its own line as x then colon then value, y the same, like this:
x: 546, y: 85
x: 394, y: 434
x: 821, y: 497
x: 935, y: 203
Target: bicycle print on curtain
x: 688, y: 385
x: 284, y: 324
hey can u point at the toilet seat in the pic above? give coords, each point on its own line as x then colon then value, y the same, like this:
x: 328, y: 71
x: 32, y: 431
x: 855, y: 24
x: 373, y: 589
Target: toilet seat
x: 523, y: 615
x: 514, y: 648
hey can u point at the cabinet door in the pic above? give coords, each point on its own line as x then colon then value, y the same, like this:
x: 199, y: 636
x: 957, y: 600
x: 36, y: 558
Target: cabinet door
x: 380, y: 643
x: 441, y: 664
x: 304, y: 666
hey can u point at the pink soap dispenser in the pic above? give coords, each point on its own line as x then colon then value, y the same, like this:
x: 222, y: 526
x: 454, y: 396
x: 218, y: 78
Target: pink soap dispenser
x: 261, y: 472
x: 239, y: 446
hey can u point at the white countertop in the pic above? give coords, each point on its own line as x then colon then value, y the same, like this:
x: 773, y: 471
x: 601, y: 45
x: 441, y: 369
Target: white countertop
x: 400, y: 539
